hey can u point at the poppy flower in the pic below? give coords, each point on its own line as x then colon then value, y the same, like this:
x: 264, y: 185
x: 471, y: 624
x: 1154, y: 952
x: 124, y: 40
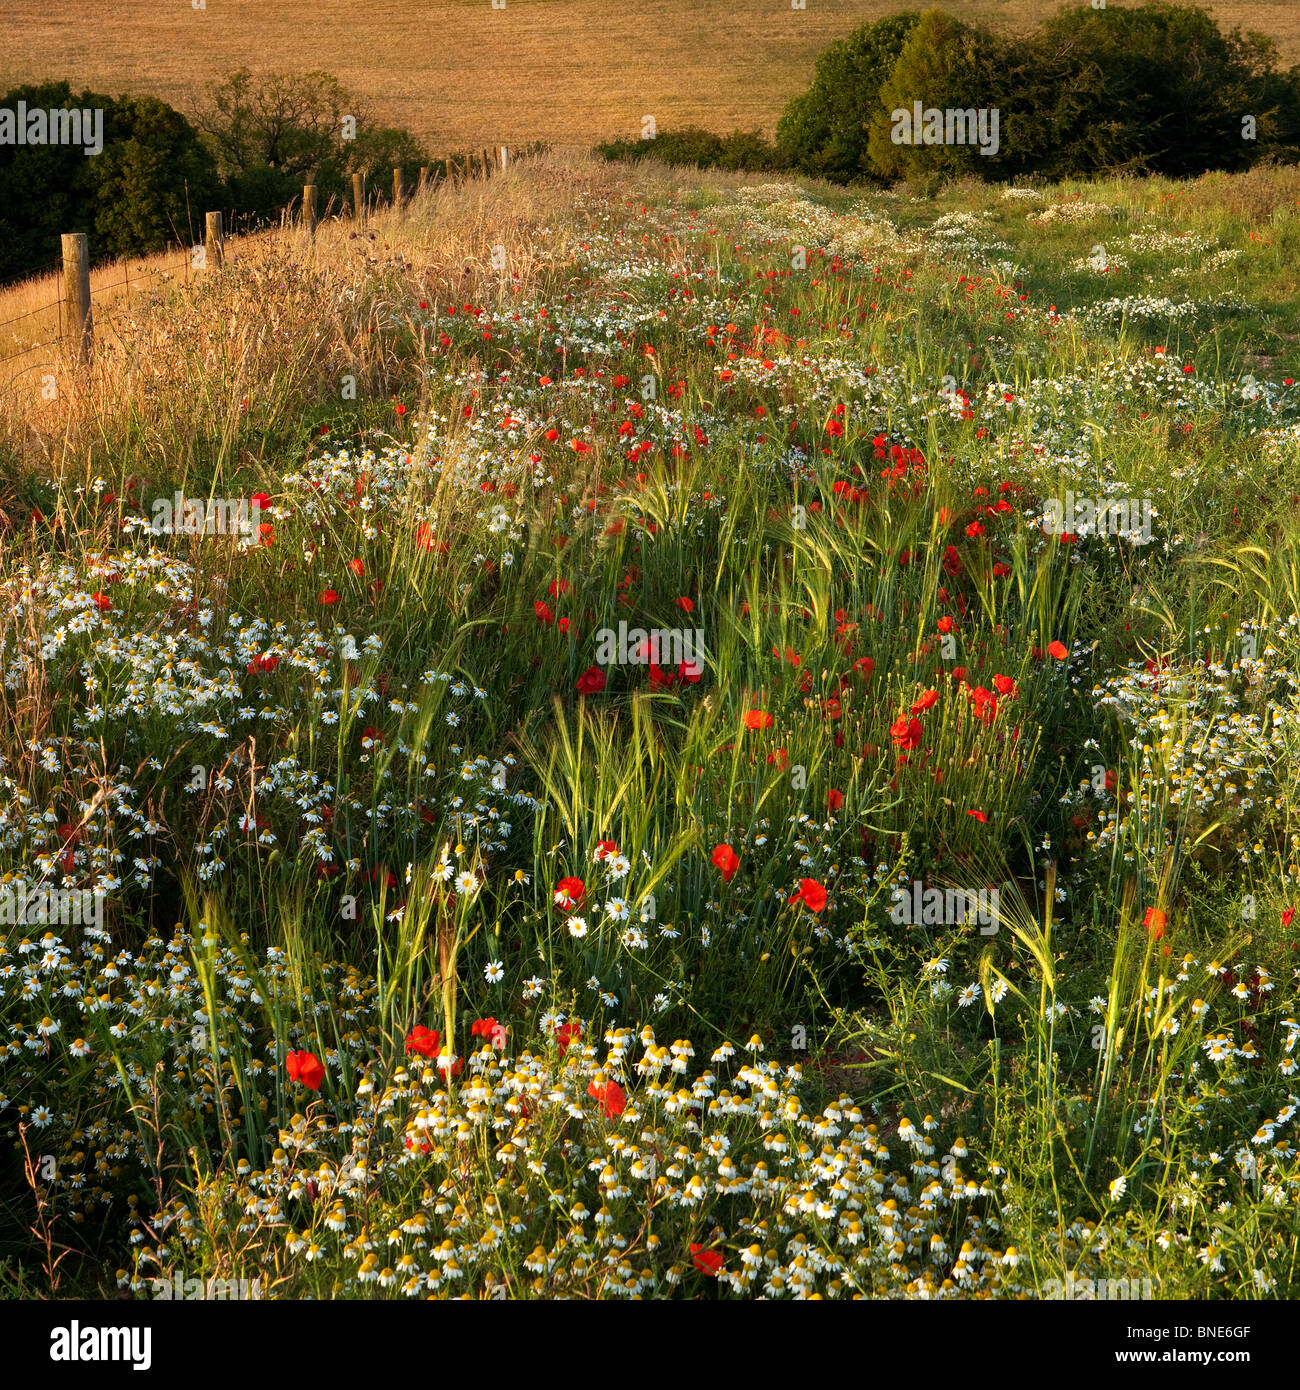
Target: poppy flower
x: 329, y: 596
x: 543, y: 611
x: 834, y: 800
x: 102, y: 601
x: 1155, y: 921
x: 610, y: 1095
x: 425, y: 1041
x: 305, y: 1067
x: 1287, y: 915
x: 358, y: 567
x: 757, y: 719
x: 686, y: 605
x: 1058, y: 650
x: 1004, y: 685
x: 706, y: 1261
x: 591, y: 682
x: 864, y: 665
x: 486, y: 1028
x: 569, y: 893
x: 605, y: 849
x: 925, y: 702
x: 727, y: 860
x: 811, y: 893
x: 979, y: 816
x: 567, y: 1034
x: 907, y: 733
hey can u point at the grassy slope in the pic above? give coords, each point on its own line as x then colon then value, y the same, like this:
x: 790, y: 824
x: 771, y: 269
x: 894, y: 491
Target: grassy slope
x: 267, y: 345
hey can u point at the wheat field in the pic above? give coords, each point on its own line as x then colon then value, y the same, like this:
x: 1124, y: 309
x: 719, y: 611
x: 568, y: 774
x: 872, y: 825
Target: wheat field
x: 460, y: 73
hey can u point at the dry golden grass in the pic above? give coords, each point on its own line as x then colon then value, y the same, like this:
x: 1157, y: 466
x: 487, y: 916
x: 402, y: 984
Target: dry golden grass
x: 461, y: 74
x: 210, y: 372
x: 31, y: 311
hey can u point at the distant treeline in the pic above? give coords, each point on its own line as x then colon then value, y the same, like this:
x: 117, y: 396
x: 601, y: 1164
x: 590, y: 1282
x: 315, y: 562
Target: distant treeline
x: 1155, y: 89
x: 249, y: 152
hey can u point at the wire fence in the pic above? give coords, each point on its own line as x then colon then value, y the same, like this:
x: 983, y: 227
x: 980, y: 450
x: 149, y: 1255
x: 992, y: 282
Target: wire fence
x: 450, y: 170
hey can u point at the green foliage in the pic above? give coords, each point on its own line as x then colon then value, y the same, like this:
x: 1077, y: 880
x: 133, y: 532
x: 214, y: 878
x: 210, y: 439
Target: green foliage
x: 693, y: 147
x: 1156, y: 89
x: 944, y: 65
x: 135, y: 196
x: 824, y: 130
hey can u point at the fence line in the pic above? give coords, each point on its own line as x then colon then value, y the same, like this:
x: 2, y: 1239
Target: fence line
x: 75, y: 262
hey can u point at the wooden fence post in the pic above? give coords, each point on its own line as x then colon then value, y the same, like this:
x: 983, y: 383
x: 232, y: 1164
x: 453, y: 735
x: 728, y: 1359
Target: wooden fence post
x: 358, y: 199
x: 399, y: 189
x: 423, y: 180
x: 214, y: 242
x: 505, y: 158
x: 309, y: 208
x: 76, y: 291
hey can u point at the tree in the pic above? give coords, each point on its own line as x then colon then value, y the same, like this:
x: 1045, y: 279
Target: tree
x: 946, y: 65
x: 154, y: 180
x: 824, y: 130
x: 273, y: 132
x: 131, y: 198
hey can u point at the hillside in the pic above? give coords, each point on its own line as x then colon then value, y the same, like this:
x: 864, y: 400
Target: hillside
x: 462, y: 74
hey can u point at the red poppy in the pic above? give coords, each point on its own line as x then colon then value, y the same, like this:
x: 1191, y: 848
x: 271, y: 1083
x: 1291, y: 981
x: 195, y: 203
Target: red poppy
x: 305, y: 1067
x: 569, y: 893
x: 102, y: 601
x: 925, y: 701
x: 329, y: 596
x: 979, y: 816
x: 727, y: 860
x: 487, y: 1028
x: 358, y: 567
x: 757, y: 719
x: 864, y: 665
x: 686, y: 605
x: 1004, y: 685
x: 566, y: 1034
x: 706, y: 1261
x: 811, y: 893
x: 425, y: 1041
x: 611, y: 1096
x: 907, y: 733
x: 543, y: 611
x: 1058, y: 650
x: 604, y: 849
x: 1287, y: 916
x: 1155, y: 921
x: 592, y: 681
x: 834, y: 799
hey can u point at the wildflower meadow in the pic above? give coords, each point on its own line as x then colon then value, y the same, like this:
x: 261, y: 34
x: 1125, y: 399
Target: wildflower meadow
x: 632, y: 733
